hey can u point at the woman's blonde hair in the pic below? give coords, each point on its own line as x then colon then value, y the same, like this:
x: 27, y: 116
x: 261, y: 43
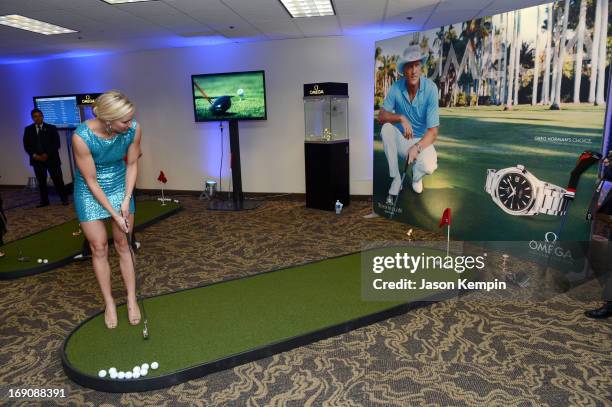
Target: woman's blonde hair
x: 112, y: 105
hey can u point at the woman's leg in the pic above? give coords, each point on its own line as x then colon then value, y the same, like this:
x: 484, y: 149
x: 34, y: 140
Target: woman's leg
x: 95, y: 232
x: 127, y: 270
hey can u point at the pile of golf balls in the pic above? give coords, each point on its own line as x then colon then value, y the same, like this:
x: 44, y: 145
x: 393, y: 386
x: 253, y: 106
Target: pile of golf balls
x: 136, y: 373
x: 43, y: 261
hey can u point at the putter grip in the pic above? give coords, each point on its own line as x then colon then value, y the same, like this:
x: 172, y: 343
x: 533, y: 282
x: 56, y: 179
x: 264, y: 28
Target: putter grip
x: 586, y: 161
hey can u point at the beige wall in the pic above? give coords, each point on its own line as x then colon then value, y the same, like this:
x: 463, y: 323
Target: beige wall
x: 159, y: 83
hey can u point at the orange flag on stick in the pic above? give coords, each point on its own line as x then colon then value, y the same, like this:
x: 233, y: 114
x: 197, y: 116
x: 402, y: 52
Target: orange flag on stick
x: 446, y: 218
x: 162, y: 177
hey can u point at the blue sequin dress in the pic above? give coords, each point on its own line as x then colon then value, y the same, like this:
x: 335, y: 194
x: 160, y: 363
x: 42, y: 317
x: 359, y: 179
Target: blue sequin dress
x: 108, y: 156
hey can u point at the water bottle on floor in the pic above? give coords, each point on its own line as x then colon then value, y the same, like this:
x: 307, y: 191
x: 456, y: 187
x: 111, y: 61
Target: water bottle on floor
x: 339, y: 206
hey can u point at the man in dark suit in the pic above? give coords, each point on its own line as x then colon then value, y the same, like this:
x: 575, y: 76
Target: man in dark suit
x: 42, y: 142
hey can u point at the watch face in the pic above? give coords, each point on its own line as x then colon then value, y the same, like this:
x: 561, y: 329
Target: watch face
x: 515, y: 192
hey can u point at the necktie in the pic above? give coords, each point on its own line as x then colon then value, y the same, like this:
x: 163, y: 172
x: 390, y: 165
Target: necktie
x: 39, y: 145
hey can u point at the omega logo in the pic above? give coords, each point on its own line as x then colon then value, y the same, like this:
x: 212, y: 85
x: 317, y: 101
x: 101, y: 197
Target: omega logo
x: 316, y: 90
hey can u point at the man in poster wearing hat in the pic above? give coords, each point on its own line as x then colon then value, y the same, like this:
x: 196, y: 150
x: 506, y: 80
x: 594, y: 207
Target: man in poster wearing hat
x: 410, y: 121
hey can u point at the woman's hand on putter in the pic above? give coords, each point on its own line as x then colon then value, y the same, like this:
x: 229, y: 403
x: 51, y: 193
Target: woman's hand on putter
x: 122, y: 222
x: 124, y: 210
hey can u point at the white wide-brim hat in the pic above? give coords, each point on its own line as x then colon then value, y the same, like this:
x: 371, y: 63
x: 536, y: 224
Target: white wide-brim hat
x: 411, y: 54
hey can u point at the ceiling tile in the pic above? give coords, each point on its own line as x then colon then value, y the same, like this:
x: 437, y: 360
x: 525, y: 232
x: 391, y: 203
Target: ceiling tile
x: 351, y: 7
x: 319, y: 26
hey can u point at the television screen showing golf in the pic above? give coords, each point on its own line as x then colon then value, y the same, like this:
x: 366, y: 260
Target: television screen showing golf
x: 229, y: 96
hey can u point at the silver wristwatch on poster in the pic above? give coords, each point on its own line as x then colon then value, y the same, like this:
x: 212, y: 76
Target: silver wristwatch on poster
x: 520, y: 193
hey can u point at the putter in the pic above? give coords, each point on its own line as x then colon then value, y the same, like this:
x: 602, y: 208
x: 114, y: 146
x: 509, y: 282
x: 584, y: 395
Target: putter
x: 139, y: 299
x: 406, y: 168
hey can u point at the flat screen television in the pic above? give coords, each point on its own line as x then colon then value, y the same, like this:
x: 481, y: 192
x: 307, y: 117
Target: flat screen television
x: 60, y: 111
x: 229, y: 96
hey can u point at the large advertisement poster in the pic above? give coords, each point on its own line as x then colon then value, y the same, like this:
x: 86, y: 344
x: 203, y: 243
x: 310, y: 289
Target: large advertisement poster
x: 495, y: 113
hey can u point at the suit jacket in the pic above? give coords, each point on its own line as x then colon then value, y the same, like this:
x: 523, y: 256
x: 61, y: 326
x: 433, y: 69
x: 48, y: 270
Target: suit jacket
x: 49, y: 144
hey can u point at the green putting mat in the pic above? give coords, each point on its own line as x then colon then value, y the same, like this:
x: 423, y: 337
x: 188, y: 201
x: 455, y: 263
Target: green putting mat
x: 58, y: 245
x: 197, y: 331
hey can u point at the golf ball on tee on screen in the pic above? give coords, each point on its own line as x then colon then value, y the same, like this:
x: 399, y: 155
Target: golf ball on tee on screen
x: 102, y: 373
x: 154, y: 365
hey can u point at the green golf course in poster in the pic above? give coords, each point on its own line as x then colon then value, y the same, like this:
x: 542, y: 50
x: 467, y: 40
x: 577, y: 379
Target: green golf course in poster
x: 520, y: 95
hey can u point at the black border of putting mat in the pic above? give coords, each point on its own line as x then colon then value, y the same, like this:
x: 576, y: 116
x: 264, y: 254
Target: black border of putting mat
x: 230, y: 361
x: 11, y: 275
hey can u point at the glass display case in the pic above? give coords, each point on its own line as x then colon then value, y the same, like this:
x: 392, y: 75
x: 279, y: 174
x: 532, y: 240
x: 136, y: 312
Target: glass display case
x: 326, y: 112
x: 326, y: 118
x: 326, y: 145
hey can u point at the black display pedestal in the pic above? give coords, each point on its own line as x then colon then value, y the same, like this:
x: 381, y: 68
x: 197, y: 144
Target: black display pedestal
x: 327, y: 173
x: 237, y: 203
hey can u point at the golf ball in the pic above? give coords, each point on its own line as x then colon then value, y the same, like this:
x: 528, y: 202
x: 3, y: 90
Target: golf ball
x: 113, y: 374
x: 129, y: 375
x: 154, y: 365
x: 121, y: 375
x: 39, y: 260
x: 45, y: 261
x: 136, y: 375
x: 144, y: 372
x: 112, y: 369
x: 136, y: 369
x: 102, y: 373
x: 144, y: 366
x: 240, y: 92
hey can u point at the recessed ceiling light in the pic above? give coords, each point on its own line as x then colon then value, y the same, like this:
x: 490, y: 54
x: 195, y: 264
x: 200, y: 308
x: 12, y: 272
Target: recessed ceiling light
x: 124, y: 1
x: 308, y: 8
x: 29, y: 24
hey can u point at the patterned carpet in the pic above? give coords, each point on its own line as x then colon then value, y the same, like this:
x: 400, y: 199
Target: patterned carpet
x: 457, y: 353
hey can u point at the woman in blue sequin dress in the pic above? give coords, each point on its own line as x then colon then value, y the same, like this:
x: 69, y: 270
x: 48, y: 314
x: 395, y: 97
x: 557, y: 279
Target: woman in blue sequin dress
x: 103, y: 187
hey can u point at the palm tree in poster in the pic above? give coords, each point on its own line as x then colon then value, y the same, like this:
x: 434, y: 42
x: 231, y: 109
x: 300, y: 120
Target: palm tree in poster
x: 536, y: 62
x: 561, y: 59
x: 518, y: 44
x: 504, y: 64
x: 386, y: 71
x: 580, y: 30
x: 549, y: 34
x: 389, y: 65
x: 512, y: 65
x: 595, y: 51
x: 555, y: 50
x: 440, y: 42
x: 377, y: 53
x: 603, y: 42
